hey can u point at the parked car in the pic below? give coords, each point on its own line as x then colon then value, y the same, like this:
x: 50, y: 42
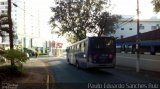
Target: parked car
x: 2, y: 59
x: 29, y: 52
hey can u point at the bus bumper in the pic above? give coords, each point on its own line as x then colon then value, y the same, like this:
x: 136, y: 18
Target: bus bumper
x: 92, y: 65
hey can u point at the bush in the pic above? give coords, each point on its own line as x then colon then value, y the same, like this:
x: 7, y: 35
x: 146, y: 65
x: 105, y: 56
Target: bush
x: 16, y: 55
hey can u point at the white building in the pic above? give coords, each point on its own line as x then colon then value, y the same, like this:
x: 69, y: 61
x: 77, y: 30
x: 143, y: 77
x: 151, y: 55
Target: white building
x: 128, y: 27
x: 26, y: 23
x: 3, y: 10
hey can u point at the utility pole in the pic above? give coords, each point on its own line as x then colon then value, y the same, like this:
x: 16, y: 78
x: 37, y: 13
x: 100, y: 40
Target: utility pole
x: 10, y: 25
x: 10, y: 28
x: 138, y: 40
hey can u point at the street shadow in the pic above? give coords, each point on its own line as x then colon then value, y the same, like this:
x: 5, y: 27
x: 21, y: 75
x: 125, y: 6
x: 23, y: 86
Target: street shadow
x: 97, y: 71
x: 49, y: 61
x: 35, y: 69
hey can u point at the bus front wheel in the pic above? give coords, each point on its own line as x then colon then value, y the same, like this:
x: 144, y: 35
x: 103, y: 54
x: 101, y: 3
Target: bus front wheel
x: 68, y: 61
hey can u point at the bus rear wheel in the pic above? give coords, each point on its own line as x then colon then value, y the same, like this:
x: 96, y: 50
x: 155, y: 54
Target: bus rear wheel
x: 77, y: 64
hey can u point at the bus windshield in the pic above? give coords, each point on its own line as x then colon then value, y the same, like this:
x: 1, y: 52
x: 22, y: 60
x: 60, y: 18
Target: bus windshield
x: 102, y: 44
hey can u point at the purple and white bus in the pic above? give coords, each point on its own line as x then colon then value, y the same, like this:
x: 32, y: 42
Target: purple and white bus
x: 93, y: 52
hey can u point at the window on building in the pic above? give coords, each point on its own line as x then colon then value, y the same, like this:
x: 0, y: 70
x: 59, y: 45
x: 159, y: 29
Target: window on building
x: 153, y: 27
x: 122, y: 36
x: 6, y: 11
x: 122, y: 28
x: 3, y: 39
x: 2, y: 3
x: 130, y: 28
x: 5, y: 2
x: 2, y: 11
x: 6, y: 7
x: 141, y: 26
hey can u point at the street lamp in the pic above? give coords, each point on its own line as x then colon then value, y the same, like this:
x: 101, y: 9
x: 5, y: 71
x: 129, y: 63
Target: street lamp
x: 24, y: 38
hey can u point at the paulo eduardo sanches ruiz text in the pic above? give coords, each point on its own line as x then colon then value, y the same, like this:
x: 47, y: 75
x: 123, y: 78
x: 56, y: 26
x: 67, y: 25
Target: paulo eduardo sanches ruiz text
x: 122, y: 85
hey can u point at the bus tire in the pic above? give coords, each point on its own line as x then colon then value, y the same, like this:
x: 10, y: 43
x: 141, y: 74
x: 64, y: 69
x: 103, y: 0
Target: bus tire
x: 77, y: 64
x: 68, y: 61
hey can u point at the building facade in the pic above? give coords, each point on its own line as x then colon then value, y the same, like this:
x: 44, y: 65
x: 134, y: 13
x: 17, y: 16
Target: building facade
x: 25, y: 18
x: 149, y: 37
x: 128, y: 27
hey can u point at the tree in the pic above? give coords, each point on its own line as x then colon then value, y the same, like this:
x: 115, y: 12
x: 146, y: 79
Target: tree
x: 156, y: 4
x: 78, y: 17
x: 107, y: 23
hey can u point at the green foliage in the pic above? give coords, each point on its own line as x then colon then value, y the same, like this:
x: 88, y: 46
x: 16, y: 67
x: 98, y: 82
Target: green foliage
x: 107, y: 23
x: 77, y: 17
x: 156, y: 4
x: 16, y: 55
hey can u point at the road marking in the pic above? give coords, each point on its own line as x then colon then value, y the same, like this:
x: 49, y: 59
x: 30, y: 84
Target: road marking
x: 140, y: 58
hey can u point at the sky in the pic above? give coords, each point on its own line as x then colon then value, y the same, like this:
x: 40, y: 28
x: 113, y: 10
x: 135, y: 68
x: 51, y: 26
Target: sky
x: 128, y: 7
x: 45, y: 14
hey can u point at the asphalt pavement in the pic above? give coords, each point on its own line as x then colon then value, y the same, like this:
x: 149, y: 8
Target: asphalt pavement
x: 69, y: 77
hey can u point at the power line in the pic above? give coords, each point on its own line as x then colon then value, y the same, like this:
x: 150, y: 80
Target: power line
x: 125, y: 22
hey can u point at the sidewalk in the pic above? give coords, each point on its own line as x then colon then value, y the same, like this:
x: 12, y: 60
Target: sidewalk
x: 152, y: 75
x: 36, y: 76
x: 39, y: 77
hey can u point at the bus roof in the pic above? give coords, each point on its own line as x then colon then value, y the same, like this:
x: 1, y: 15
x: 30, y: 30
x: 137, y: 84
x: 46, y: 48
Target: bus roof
x: 87, y: 39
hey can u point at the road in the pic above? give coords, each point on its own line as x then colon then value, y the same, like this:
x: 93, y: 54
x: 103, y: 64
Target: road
x: 69, y: 77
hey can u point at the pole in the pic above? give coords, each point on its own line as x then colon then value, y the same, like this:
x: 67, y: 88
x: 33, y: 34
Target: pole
x: 10, y: 25
x: 24, y: 23
x: 10, y: 28
x: 138, y: 40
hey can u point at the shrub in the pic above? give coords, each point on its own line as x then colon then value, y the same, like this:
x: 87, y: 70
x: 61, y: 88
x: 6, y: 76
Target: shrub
x: 16, y: 55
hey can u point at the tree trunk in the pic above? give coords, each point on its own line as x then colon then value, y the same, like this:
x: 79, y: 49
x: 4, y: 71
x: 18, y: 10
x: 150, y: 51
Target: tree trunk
x: 10, y: 30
